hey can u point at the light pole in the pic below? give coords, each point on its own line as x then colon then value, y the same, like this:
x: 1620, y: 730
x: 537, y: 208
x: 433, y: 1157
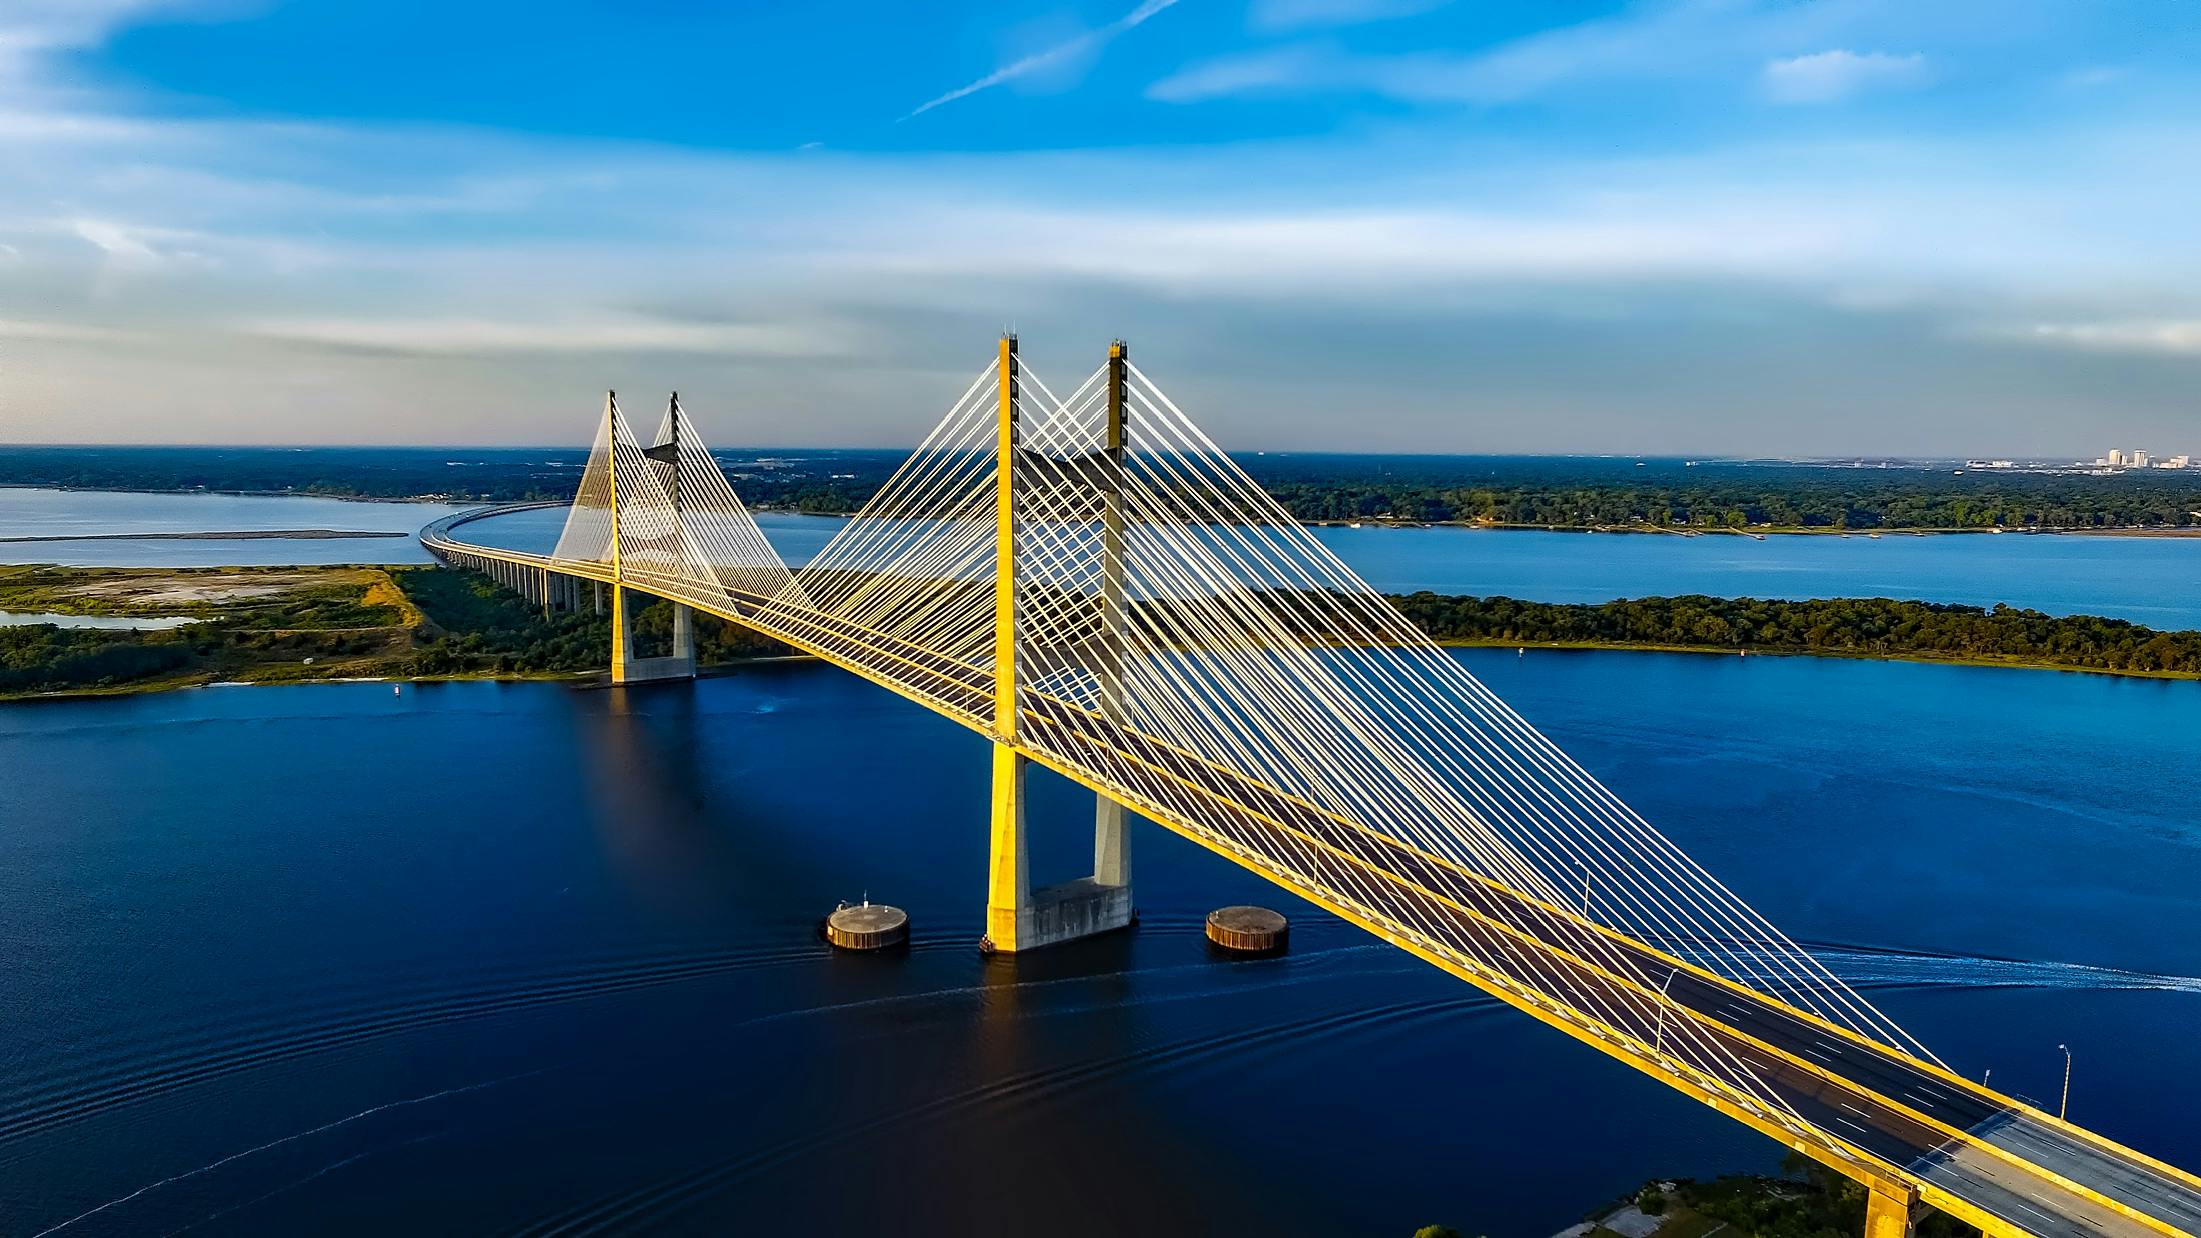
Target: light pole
x: 2065, y: 1107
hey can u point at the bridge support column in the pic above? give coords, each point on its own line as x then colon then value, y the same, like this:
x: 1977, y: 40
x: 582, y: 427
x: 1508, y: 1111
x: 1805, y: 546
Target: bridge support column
x: 622, y: 635
x: 1111, y: 840
x: 1019, y: 917
x: 1888, y: 1215
x: 626, y: 668
x: 1008, y: 869
x: 684, y: 635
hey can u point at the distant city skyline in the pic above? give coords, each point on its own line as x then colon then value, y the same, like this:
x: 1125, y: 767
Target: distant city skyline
x: 1717, y: 227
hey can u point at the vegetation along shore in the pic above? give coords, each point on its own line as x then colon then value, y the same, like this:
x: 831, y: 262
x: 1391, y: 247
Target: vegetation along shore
x: 1804, y: 1201
x: 287, y: 624
x: 1491, y: 491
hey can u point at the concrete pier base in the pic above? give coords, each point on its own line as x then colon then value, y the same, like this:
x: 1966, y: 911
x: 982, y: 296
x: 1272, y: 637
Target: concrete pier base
x: 626, y: 668
x: 1019, y: 917
x: 1074, y: 909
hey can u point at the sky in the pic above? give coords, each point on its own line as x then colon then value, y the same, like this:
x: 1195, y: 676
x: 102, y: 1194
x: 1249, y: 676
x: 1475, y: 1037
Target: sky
x: 1759, y: 227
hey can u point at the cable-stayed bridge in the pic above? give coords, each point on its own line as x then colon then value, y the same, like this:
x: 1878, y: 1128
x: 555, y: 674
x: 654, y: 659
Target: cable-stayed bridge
x: 1087, y: 580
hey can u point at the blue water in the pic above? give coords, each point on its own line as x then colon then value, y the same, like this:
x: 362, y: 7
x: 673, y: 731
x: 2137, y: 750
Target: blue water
x: 113, y: 623
x: 2155, y: 581
x: 31, y: 512
x: 475, y: 956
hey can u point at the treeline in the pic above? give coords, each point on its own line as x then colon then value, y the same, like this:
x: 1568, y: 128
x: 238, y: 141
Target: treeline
x: 44, y: 658
x: 1811, y: 1201
x: 1880, y: 627
x: 823, y: 481
x: 1789, y: 498
x: 1552, y: 492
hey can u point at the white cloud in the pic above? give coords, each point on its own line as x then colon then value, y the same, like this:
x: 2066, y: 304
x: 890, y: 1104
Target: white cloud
x: 73, y: 23
x: 2090, y: 77
x: 2179, y: 337
x: 1831, y: 76
x: 477, y: 337
x: 68, y: 332
x: 1274, y: 15
x: 1060, y: 53
x: 118, y: 241
x: 1664, y: 39
x: 1280, y: 69
x: 334, y: 254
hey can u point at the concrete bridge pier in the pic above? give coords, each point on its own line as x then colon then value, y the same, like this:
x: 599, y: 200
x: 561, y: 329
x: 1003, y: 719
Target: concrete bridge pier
x: 626, y: 668
x: 1020, y: 917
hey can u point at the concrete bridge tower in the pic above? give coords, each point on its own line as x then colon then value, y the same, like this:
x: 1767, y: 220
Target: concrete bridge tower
x: 680, y: 663
x: 1018, y: 916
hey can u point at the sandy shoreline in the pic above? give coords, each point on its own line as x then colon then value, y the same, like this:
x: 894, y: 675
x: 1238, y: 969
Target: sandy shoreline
x: 240, y: 535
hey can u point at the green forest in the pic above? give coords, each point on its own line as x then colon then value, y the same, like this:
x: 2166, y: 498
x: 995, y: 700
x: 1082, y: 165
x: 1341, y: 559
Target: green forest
x: 1870, y: 627
x: 1546, y: 492
x: 1765, y: 498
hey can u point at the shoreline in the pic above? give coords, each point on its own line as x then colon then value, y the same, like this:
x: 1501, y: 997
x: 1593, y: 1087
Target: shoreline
x: 445, y: 500
x: 1749, y: 531
x: 583, y: 679
x: 1759, y: 532
x: 2013, y: 664
x: 240, y: 535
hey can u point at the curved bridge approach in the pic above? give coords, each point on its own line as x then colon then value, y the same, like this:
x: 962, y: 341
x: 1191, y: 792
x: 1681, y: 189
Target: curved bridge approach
x: 1089, y: 582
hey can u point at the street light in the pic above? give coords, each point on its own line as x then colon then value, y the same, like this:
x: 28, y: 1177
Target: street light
x: 2065, y: 1108
x: 1660, y: 1047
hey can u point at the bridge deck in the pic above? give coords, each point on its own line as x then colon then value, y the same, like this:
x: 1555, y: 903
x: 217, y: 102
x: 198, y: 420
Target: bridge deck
x: 1980, y: 1156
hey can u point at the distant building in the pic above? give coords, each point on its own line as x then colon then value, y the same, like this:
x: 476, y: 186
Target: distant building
x: 2138, y: 459
x: 2115, y: 459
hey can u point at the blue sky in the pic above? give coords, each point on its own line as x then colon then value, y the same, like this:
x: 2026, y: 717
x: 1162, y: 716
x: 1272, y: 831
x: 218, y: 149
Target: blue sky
x: 1680, y: 226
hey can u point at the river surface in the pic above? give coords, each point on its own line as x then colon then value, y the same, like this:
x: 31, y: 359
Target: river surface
x: 471, y: 958
x: 2150, y: 580
x: 111, y: 623
x: 87, y: 514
